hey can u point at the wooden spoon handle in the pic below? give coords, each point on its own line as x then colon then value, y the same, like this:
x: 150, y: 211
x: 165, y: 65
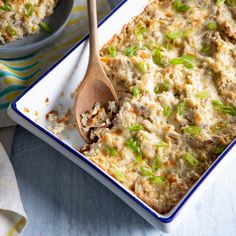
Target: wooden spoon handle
x: 93, y: 31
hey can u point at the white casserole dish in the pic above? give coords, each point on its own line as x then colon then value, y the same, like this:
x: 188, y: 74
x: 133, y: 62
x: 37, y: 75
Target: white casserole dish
x: 64, y: 78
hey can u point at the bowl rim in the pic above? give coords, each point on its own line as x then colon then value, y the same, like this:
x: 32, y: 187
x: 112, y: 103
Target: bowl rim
x: 165, y: 219
x: 44, y: 40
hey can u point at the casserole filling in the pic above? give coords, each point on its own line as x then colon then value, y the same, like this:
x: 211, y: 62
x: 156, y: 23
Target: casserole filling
x: 174, y: 68
x: 23, y: 17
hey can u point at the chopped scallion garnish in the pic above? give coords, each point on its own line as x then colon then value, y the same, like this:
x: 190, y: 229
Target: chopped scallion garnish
x: 220, y: 149
x: 136, y: 91
x: 167, y: 111
x: 139, y: 31
x: 111, y: 151
x: 202, y: 95
x: 136, y: 127
x: 192, y: 130
x: 212, y: 26
x: 178, y: 6
x: 157, y: 180
x: 224, y: 109
x: 130, y: 51
x: 132, y: 144
x: 11, y: 30
x: 191, y: 159
x: 142, y: 67
x: 6, y: 7
x: 45, y: 27
x: 175, y: 34
x: 161, y: 144
x: 146, y: 171
x: 181, y: 108
x: 156, y: 163
x: 186, y: 60
x: 29, y: 7
x: 119, y: 176
x: 112, y: 51
x: 157, y: 57
x: 162, y: 87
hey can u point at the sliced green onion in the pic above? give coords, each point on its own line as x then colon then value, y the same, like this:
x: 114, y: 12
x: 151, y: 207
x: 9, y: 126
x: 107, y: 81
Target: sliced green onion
x: 111, y: 151
x: 132, y: 144
x: 191, y: 159
x: 161, y: 144
x: 167, y: 111
x: 136, y: 91
x: 224, y: 109
x: 156, y: 163
x: 219, y: 150
x: 175, y: 34
x: 146, y: 171
x: 142, y: 67
x: 212, y: 26
x: 192, y: 130
x: 231, y: 3
x: 157, y: 180
x: 157, y: 57
x: 205, y: 50
x: 6, y: 7
x: 11, y: 30
x: 178, y: 6
x: 136, y: 127
x: 119, y: 176
x: 29, y: 7
x: 202, y: 95
x: 219, y: 2
x: 139, y: 31
x: 162, y: 87
x: 186, y: 60
x: 181, y: 108
x: 45, y: 27
x: 112, y: 51
x: 130, y: 51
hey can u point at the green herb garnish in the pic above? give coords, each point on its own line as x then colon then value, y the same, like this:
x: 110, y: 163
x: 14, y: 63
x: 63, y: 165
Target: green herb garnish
x: 161, y: 144
x: 157, y: 180
x: 136, y: 127
x: 11, y: 30
x: 111, y: 151
x: 45, y: 27
x: 157, y: 57
x: 6, y: 7
x: 178, y: 6
x: 175, y: 34
x: 220, y: 149
x: 146, y: 171
x: 202, y: 95
x: 136, y: 91
x: 186, y: 60
x: 112, y: 51
x: 162, y: 87
x: 142, y: 67
x: 130, y: 51
x: 191, y: 159
x: 230, y: 3
x: 181, y: 108
x: 132, y: 144
x: 212, y: 26
x: 139, y: 31
x: 224, y: 109
x: 167, y: 111
x: 119, y: 176
x: 192, y: 130
x: 29, y: 7
x: 156, y: 163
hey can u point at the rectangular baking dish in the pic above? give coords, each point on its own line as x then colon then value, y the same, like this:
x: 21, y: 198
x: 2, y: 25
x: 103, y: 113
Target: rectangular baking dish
x: 55, y: 88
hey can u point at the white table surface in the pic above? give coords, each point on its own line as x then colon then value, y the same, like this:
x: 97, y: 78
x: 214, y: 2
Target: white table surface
x: 60, y: 199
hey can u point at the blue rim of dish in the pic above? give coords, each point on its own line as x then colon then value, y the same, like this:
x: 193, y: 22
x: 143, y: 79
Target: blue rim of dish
x: 176, y: 211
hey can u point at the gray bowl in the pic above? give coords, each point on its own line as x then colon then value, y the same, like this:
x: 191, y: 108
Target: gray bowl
x: 31, y: 44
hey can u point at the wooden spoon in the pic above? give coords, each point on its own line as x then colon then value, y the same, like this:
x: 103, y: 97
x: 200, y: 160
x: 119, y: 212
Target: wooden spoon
x: 95, y: 87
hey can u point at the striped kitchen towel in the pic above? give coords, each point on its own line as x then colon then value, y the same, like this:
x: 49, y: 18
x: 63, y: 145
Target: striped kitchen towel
x: 17, y: 74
